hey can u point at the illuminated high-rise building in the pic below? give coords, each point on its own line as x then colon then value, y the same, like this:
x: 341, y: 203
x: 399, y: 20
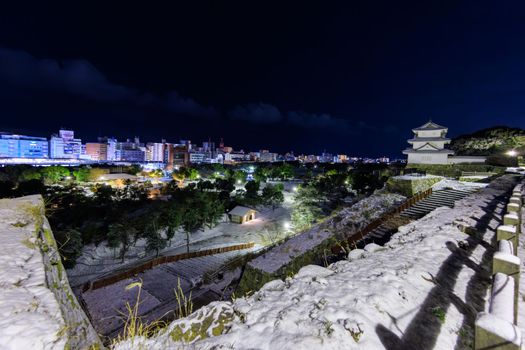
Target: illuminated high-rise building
x: 21, y: 146
x: 65, y: 145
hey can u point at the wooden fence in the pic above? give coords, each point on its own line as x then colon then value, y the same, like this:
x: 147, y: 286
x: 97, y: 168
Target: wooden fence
x: 359, y: 235
x: 106, y: 281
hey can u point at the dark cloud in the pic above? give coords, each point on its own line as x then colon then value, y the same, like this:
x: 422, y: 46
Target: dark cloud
x: 263, y: 113
x: 259, y: 113
x: 311, y: 120
x: 81, y: 78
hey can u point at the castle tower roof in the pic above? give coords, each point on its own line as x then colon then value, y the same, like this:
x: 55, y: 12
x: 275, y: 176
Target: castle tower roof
x: 430, y: 125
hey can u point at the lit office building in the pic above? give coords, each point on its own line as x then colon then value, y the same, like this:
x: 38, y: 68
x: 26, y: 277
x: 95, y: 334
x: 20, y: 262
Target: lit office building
x: 130, y: 151
x: 65, y: 145
x: 21, y: 146
x: 155, y: 151
x: 111, y: 147
x: 97, y: 150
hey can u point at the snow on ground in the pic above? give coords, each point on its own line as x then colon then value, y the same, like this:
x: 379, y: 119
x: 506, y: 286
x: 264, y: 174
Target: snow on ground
x: 421, y: 291
x: 457, y: 185
x: 97, y: 261
x: 415, y: 177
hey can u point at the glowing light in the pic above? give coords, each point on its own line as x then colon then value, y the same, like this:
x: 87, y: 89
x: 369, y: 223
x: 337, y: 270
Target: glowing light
x: 512, y: 153
x: 294, y: 189
x: 239, y: 182
x: 287, y: 225
x: 68, y: 177
x: 102, y: 178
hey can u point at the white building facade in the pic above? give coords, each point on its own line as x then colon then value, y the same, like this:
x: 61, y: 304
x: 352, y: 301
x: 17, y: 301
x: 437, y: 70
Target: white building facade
x: 428, y: 145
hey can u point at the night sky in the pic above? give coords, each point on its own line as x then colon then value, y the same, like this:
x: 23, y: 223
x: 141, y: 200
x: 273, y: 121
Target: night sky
x: 346, y: 77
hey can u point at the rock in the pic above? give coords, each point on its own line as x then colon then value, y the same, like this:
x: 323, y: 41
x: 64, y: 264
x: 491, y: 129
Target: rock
x: 313, y: 271
x: 372, y: 247
x: 356, y: 254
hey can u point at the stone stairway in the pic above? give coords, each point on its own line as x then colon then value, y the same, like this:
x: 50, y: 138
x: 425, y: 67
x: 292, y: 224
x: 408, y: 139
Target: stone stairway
x: 441, y: 198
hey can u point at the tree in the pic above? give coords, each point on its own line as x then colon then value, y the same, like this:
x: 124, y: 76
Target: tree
x: 171, y: 219
x: 119, y: 235
x: 304, y: 216
x: 54, y: 174
x: 81, y: 174
x: 261, y: 174
x: 70, y: 245
x: 95, y: 174
x: 197, y: 210
x: 252, y: 191
x: 103, y: 193
x: 273, y: 195
x: 283, y: 171
x: 185, y: 173
x: 192, y: 220
x: 205, y: 185
x: 226, y: 185
x: 154, y: 240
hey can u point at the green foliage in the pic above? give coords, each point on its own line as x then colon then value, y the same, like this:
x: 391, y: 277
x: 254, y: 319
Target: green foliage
x: 252, y: 190
x: 272, y: 195
x: 54, y: 174
x: 95, y: 174
x: 283, y: 172
x: 439, y: 313
x: 455, y: 170
x: 261, y: 174
x: 185, y: 173
x: 81, y: 174
x: 488, y: 142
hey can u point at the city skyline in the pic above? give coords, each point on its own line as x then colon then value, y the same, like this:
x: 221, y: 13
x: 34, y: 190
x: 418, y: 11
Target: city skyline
x: 348, y: 78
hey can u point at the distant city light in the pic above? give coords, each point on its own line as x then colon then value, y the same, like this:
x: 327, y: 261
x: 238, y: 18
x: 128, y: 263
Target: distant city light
x: 512, y: 153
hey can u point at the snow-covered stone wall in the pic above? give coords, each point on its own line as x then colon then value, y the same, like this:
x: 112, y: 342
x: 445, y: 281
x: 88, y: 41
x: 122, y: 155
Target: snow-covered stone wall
x: 37, y: 306
x: 422, y: 290
x: 309, y: 247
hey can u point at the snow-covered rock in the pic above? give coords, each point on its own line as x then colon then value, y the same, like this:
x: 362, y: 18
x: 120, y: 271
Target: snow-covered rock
x: 372, y: 247
x: 356, y: 254
x: 37, y: 307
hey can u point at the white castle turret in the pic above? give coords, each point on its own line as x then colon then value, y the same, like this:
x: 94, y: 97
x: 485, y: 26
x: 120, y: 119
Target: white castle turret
x: 428, y: 145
